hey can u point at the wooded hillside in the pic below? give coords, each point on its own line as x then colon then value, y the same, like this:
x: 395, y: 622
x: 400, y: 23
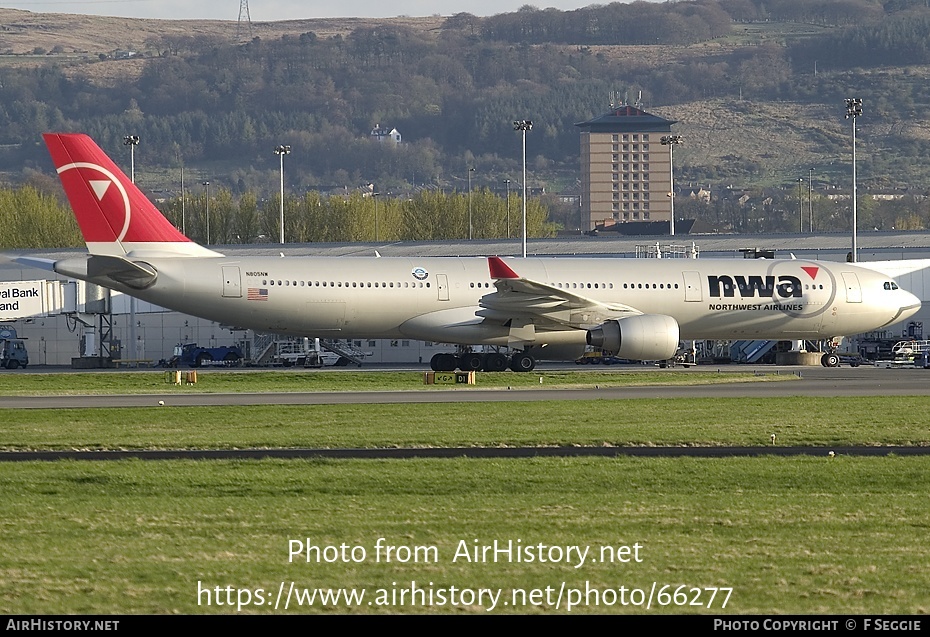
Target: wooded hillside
x: 757, y: 88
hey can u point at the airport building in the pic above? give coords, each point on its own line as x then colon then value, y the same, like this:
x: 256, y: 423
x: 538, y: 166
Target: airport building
x: 67, y: 321
x: 626, y: 170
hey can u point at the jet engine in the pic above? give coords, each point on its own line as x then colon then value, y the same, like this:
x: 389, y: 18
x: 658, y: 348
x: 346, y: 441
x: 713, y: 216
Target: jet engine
x: 646, y: 337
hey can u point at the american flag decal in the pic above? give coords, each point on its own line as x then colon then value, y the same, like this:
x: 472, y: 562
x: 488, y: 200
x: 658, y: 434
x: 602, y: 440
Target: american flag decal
x: 258, y: 294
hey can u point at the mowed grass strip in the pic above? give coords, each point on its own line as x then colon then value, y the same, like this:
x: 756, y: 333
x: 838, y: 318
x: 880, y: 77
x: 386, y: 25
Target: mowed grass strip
x: 214, y: 381
x: 796, y: 421
x: 789, y: 535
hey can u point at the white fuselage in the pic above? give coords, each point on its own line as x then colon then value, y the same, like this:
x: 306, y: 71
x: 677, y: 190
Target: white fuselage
x: 436, y: 299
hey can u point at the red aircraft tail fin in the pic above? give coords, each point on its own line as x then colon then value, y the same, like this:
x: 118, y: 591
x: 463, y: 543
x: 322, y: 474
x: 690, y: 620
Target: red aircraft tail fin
x: 115, y: 217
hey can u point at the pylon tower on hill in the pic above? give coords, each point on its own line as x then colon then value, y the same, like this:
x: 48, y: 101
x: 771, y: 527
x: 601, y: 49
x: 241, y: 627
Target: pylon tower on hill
x: 244, y: 27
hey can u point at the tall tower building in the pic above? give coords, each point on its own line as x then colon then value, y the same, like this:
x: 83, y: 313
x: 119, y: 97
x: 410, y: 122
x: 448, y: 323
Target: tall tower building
x: 625, y: 170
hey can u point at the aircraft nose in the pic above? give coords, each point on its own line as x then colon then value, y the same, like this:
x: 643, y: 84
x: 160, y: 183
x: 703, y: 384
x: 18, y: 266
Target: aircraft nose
x: 909, y: 304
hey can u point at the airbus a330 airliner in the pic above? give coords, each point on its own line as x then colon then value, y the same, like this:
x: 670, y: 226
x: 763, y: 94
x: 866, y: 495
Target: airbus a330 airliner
x: 539, y: 308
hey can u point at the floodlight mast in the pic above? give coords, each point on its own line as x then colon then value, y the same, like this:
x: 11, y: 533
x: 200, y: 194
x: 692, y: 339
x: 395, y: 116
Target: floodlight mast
x: 810, y: 200
x: 470, y: 226
x: 800, y: 206
x: 523, y: 125
x: 132, y: 141
x: 281, y: 151
x: 854, y: 110
x: 670, y: 141
x: 507, y: 182
x: 206, y: 205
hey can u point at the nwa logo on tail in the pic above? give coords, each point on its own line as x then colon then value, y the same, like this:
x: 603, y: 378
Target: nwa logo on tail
x: 110, y: 210
x: 784, y: 285
x: 119, y: 212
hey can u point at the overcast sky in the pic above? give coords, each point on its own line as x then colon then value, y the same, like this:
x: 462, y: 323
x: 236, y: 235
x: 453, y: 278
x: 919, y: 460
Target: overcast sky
x: 271, y: 10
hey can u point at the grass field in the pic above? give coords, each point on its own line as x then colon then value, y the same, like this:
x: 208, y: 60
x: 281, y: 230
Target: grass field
x: 213, y: 381
x: 708, y: 421
x: 800, y: 535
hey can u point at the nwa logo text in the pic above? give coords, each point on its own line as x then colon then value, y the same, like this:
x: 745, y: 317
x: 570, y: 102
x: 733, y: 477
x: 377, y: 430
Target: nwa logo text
x: 785, y: 286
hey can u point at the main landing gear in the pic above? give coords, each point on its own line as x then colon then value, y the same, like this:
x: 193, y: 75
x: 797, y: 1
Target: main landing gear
x: 476, y: 362
x: 830, y: 360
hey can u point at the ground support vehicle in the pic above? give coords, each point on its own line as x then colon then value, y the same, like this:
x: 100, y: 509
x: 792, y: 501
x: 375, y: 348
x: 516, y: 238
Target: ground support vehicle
x: 193, y: 355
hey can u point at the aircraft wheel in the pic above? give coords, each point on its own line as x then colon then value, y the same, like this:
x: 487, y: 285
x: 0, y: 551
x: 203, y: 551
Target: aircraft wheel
x: 830, y: 360
x: 471, y: 362
x: 443, y: 362
x: 495, y: 363
x: 522, y: 362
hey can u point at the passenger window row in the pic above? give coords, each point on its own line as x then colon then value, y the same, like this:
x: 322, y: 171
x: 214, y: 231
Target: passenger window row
x: 651, y: 286
x: 347, y: 284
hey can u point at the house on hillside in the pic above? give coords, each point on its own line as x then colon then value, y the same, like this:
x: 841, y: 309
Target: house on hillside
x: 380, y: 134
x: 701, y: 195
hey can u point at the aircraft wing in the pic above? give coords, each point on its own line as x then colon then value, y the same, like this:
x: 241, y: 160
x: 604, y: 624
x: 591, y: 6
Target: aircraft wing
x: 521, y: 300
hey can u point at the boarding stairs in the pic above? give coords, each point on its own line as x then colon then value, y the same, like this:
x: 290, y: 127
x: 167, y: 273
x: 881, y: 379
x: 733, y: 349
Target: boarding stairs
x: 264, y: 346
x: 345, y: 349
x: 750, y: 351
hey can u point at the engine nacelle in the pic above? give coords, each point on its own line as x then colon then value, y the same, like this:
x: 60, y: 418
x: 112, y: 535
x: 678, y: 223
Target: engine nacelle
x: 647, y: 337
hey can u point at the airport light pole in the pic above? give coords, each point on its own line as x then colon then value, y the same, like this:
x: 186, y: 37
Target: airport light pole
x: 854, y: 110
x: 800, y: 206
x: 810, y: 200
x: 183, y: 209
x: 374, y: 198
x: 523, y: 125
x: 132, y: 141
x: 281, y: 151
x: 507, y: 183
x: 470, y: 226
x: 206, y: 205
x: 671, y: 141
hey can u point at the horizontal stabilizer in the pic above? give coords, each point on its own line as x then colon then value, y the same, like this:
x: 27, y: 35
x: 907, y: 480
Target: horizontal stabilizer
x: 36, y: 262
x: 135, y: 274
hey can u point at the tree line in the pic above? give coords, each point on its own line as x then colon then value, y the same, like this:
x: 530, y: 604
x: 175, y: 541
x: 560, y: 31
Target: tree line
x: 33, y: 219
x: 355, y: 217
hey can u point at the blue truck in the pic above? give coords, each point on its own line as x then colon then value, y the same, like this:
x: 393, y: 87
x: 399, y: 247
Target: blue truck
x: 193, y: 355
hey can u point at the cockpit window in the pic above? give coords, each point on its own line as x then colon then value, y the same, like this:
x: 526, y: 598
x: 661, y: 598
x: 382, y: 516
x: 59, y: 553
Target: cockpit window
x: 891, y: 285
